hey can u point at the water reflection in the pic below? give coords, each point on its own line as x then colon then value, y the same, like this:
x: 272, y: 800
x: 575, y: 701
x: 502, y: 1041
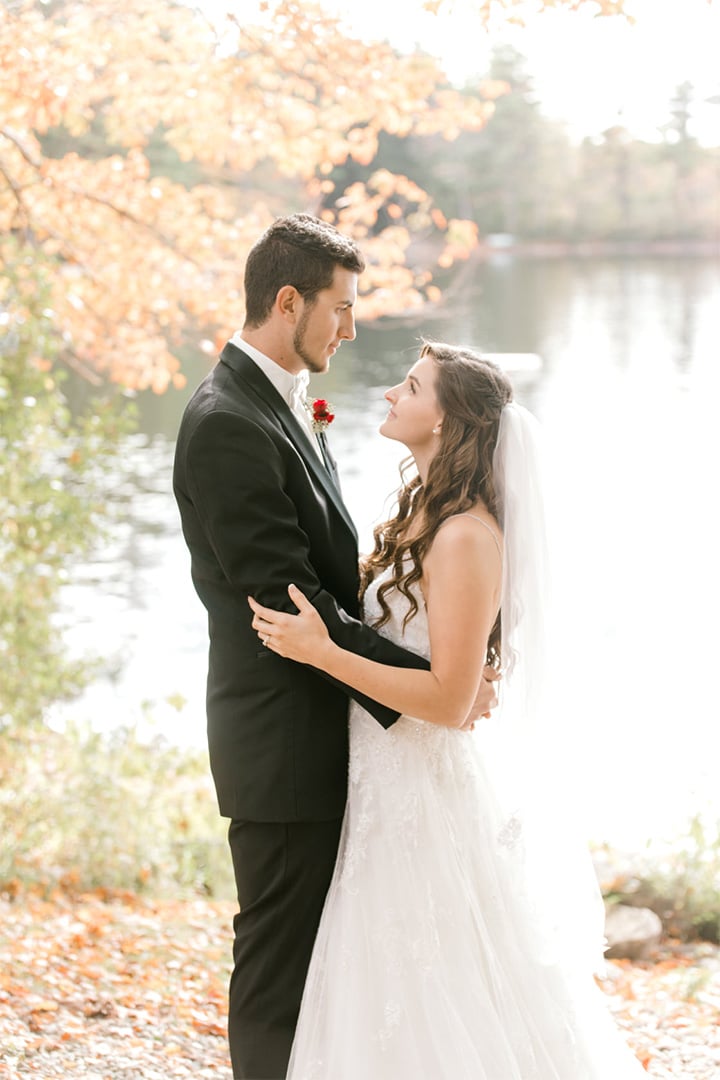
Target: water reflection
x: 627, y: 394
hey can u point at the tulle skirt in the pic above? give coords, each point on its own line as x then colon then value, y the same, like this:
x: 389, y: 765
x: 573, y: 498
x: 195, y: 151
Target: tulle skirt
x: 431, y: 960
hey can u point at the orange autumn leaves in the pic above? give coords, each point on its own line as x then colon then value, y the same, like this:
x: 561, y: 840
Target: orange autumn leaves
x: 261, y: 110
x: 520, y: 10
x: 141, y: 260
x: 88, y: 981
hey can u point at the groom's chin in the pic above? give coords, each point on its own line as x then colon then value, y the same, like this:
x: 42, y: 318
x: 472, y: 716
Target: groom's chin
x: 318, y: 367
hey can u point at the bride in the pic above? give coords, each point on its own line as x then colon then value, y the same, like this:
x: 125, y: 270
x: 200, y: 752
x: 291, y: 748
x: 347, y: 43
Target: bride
x: 438, y: 956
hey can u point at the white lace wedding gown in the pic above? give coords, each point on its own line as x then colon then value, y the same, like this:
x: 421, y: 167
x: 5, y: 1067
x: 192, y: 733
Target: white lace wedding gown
x: 425, y: 965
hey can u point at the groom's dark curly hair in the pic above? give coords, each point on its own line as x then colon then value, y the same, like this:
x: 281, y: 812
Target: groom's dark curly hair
x: 299, y: 250
x: 472, y: 392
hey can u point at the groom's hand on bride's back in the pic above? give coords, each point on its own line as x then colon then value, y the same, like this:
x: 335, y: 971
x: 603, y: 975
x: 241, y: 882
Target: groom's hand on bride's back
x: 485, y: 699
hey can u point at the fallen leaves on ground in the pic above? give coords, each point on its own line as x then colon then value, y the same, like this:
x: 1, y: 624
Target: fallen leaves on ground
x: 118, y: 988
x: 123, y: 988
x: 669, y: 1007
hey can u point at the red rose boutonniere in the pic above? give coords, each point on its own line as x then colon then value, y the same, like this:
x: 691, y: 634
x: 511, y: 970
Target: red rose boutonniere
x: 321, y: 415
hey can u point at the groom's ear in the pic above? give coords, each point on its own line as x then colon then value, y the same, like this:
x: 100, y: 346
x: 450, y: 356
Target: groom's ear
x: 288, y: 302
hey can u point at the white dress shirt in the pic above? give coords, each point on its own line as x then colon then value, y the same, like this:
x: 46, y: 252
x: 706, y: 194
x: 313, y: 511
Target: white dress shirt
x: 291, y: 388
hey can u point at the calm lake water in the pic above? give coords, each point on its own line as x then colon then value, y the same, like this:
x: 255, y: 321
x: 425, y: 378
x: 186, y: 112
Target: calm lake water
x: 627, y: 390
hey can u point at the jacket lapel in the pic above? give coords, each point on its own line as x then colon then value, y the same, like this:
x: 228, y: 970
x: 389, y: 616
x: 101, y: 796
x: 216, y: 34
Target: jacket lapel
x: 330, y: 463
x: 243, y: 366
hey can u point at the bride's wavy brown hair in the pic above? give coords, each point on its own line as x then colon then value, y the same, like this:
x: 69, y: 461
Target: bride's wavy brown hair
x: 472, y: 392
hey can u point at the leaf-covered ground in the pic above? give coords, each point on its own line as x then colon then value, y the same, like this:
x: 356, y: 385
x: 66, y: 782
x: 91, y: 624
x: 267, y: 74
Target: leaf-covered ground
x: 127, y: 989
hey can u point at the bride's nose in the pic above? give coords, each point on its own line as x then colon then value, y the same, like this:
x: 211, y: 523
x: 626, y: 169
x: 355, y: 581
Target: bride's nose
x: 391, y: 394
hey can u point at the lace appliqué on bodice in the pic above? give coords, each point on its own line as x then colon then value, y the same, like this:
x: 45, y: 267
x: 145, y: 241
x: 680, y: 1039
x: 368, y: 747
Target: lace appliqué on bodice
x: 388, y: 782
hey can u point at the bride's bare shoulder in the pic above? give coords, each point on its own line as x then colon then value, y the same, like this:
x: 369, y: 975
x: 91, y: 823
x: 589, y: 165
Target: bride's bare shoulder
x: 464, y: 563
x: 476, y: 525
x: 463, y: 543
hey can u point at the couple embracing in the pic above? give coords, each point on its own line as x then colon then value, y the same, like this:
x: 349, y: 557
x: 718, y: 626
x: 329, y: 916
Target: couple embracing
x: 384, y: 931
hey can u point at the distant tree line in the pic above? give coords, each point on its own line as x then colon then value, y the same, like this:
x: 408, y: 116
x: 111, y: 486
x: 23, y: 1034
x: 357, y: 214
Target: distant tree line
x: 523, y: 175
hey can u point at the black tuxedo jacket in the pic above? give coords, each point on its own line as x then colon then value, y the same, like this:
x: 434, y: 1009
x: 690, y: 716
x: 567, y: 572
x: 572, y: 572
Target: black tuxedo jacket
x: 260, y: 510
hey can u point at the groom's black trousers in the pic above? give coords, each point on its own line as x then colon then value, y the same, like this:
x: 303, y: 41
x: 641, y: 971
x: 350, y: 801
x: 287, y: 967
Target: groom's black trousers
x: 282, y: 872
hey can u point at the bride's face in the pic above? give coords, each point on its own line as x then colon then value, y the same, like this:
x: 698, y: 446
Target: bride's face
x: 414, y: 417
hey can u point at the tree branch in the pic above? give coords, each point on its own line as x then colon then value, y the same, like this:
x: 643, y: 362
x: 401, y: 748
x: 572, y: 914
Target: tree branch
x: 17, y: 193
x: 10, y: 135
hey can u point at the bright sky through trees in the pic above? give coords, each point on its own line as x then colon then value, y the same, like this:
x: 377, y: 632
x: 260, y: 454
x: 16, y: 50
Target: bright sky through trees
x: 590, y: 72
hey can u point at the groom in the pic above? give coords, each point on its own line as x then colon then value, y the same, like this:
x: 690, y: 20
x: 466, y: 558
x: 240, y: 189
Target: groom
x: 260, y: 507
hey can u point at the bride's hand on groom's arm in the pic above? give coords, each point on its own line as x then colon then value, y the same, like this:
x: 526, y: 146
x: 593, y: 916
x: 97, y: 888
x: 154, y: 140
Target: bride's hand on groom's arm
x: 485, y: 699
x: 302, y: 637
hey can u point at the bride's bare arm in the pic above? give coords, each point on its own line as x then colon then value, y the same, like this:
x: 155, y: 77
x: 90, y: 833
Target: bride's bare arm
x: 461, y: 583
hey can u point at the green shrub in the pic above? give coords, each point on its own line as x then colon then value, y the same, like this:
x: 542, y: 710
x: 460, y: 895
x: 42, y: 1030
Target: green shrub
x: 82, y: 811
x: 681, y: 881
x: 677, y: 878
x: 54, y: 469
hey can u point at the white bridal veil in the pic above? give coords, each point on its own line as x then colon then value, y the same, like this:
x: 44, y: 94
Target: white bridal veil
x: 536, y: 774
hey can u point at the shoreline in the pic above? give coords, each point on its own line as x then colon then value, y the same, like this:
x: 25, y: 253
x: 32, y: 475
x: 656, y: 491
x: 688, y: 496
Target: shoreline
x: 596, y: 248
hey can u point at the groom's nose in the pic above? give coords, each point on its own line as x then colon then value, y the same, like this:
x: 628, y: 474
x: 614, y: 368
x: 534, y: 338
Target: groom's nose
x: 347, y: 326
